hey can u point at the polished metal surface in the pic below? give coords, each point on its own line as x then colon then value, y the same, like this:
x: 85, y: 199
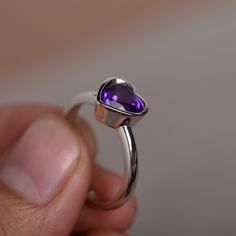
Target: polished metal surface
x: 120, y: 121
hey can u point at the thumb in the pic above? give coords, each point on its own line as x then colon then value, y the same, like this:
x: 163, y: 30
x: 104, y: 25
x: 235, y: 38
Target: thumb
x: 44, y: 180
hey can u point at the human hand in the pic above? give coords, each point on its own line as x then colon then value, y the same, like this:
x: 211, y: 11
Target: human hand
x: 45, y: 174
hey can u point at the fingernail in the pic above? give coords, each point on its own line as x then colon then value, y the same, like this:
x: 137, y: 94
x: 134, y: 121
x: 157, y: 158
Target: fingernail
x: 40, y: 162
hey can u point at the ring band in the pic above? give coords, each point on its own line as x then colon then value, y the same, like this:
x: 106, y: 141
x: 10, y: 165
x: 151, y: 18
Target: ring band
x: 118, y: 106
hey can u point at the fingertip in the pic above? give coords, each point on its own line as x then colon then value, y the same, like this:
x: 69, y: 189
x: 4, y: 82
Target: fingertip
x: 48, y: 173
x: 106, y: 183
x: 119, y: 219
x: 125, y: 215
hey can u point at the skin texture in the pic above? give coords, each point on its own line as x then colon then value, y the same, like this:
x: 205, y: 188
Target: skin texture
x: 67, y: 211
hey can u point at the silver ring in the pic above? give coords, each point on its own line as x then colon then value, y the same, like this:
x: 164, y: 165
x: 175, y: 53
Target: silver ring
x: 118, y: 106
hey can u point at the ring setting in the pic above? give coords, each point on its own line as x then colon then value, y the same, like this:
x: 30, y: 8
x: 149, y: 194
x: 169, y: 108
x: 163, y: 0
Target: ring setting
x: 117, y: 105
x: 118, y: 102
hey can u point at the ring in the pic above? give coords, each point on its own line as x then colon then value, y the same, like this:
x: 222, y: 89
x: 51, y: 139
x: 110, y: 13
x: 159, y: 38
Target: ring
x: 118, y: 106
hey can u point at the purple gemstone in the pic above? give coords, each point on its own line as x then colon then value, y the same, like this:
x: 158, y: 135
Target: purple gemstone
x: 121, y: 96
